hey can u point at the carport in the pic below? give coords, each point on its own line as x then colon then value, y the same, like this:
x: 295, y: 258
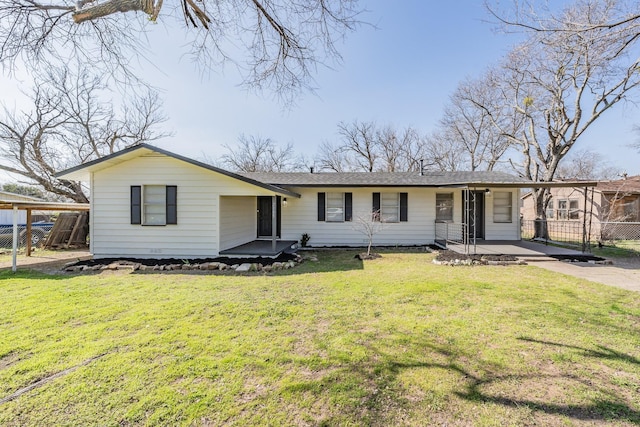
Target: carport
x: 464, y: 236
x: 29, y: 207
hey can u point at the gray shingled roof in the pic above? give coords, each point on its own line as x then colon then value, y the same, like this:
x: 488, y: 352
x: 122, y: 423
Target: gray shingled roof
x: 386, y: 179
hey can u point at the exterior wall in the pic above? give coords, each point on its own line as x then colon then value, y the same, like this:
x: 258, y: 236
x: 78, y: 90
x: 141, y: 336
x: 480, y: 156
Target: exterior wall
x: 216, y: 212
x: 199, y: 190
x: 528, y: 210
x: 502, y: 230
x: 300, y: 216
x: 6, y: 216
x: 237, y: 220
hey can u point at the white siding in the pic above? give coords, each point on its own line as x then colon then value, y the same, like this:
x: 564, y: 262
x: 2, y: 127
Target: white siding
x: 216, y: 212
x: 300, y: 216
x: 6, y: 217
x: 502, y: 230
x: 238, y: 221
x: 195, y: 235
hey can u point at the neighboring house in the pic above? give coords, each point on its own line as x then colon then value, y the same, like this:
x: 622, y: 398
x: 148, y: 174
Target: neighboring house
x: 607, y: 202
x: 6, y: 215
x: 148, y: 202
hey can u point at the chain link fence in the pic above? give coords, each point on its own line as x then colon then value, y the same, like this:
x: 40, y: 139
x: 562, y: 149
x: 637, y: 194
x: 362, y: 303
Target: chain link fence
x: 572, y: 231
x: 616, y: 231
x: 38, y: 236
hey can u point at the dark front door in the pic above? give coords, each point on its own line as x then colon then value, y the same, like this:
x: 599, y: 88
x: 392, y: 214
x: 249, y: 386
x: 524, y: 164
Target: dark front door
x: 265, y: 216
x: 473, y: 213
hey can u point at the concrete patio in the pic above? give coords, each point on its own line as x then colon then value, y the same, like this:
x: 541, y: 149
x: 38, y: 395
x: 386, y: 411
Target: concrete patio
x: 259, y: 248
x: 518, y: 248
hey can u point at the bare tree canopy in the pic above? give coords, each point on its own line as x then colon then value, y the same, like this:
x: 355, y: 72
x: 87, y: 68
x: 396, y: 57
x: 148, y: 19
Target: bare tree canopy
x: 473, y: 124
x: 70, y: 122
x: 586, y: 164
x: 257, y: 154
x: 539, y: 16
x: 368, y: 147
x: 562, y: 79
x: 281, y: 41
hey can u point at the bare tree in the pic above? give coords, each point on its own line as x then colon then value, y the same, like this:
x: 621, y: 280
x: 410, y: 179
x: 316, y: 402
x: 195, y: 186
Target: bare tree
x: 257, y: 154
x: 443, y: 153
x: 369, y: 224
x: 359, y: 141
x: 559, y: 83
x: 332, y: 158
x: 70, y: 122
x: 586, y: 164
x: 276, y: 44
x: 469, y: 126
x: 368, y: 147
x: 399, y: 151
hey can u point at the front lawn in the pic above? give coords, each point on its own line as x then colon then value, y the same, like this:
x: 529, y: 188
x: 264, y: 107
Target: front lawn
x: 391, y: 341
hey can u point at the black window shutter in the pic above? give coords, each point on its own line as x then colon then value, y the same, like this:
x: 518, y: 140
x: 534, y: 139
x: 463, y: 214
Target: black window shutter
x: 404, y: 206
x: 321, y: 206
x: 172, y: 204
x: 348, y: 206
x: 376, y: 206
x: 136, y: 204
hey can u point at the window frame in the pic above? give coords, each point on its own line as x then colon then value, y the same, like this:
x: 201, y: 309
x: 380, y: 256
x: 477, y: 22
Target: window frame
x: 498, y: 197
x: 395, y: 207
x: 568, y: 213
x: 148, y: 205
x: 445, y: 220
x: 550, y: 209
x: 161, y: 198
x: 327, y: 206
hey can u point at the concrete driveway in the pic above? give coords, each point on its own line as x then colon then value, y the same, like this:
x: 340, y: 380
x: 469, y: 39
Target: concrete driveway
x: 624, y: 273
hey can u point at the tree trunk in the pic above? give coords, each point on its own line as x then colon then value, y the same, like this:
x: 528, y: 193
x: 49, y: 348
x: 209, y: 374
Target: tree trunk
x: 541, y: 231
x: 110, y: 7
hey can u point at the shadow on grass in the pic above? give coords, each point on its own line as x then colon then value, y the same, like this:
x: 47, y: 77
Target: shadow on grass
x: 603, y: 353
x: 378, y: 390
x: 31, y: 274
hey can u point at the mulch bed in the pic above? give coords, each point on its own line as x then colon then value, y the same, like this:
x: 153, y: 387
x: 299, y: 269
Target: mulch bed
x: 150, y: 262
x: 448, y: 257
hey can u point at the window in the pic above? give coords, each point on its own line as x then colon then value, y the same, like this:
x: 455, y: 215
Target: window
x: 154, y: 204
x: 393, y: 207
x: 502, y: 206
x: 335, y: 207
x: 568, y: 209
x: 549, y: 211
x: 444, y: 207
x: 389, y: 207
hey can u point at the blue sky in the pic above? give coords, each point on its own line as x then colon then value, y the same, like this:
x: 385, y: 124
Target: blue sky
x: 400, y: 73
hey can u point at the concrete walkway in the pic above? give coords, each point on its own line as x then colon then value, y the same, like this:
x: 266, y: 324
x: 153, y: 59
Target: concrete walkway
x: 624, y: 273
x: 518, y: 248
x: 45, y: 259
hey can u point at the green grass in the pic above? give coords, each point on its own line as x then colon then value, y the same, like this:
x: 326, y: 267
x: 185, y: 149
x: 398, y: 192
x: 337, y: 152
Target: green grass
x: 619, y: 249
x: 393, y: 341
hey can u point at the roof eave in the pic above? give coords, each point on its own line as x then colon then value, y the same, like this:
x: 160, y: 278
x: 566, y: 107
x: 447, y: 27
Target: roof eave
x: 86, y: 168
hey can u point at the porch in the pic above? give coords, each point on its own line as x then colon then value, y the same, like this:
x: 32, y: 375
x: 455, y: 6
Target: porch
x: 518, y: 248
x: 260, y: 247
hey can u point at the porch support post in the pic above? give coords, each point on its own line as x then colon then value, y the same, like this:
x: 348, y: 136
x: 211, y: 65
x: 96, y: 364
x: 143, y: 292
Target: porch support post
x: 28, y: 232
x: 14, y: 254
x: 475, y: 217
x: 274, y: 222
